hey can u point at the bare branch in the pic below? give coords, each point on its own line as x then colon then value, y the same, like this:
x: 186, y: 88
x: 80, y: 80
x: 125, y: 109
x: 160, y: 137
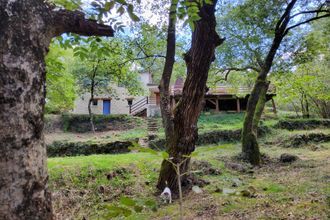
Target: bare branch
x: 230, y: 69
x: 285, y: 16
x: 65, y: 21
x: 310, y: 12
x: 142, y: 58
x: 305, y: 22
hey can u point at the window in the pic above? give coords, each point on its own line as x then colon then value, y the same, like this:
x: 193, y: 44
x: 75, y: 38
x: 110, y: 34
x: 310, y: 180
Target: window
x: 94, y: 101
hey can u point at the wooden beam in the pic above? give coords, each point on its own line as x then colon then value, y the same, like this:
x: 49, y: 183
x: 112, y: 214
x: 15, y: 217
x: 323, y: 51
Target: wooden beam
x: 213, y: 102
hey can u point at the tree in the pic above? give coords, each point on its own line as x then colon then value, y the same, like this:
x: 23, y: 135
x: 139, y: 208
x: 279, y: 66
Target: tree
x: 181, y: 122
x: 60, y: 83
x: 262, y: 45
x: 306, y: 86
x: 256, y: 102
x: 100, y: 66
x: 27, y: 28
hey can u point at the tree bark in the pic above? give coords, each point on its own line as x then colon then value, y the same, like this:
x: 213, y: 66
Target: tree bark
x: 164, y: 86
x: 27, y: 28
x: 90, y: 113
x: 260, y: 106
x: 198, y: 60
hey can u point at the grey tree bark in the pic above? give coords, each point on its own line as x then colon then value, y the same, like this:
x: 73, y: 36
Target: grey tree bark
x: 26, y: 29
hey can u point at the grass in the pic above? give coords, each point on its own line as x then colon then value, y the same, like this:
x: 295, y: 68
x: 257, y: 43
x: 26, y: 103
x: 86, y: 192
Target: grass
x: 83, y: 185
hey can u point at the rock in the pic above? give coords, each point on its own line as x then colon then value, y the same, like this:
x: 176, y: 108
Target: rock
x: 237, y: 167
x: 229, y: 191
x: 197, y: 190
x: 250, y: 192
x: 204, y: 167
x: 101, y: 189
x: 288, y: 158
x: 236, y: 182
x: 218, y: 190
x: 246, y: 193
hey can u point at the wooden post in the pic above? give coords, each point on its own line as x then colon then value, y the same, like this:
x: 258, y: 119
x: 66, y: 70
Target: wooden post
x: 238, y: 105
x: 274, y: 106
x: 217, y: 105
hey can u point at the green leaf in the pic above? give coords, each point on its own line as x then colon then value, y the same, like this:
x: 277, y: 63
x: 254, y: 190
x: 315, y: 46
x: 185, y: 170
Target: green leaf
x: 121, y: 10
x: 123, y: 2
x: 109, y: 5
x: 165, y: 155
x: 133, y: 16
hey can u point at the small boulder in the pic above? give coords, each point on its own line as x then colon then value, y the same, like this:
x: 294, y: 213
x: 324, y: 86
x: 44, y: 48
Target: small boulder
x: 197, y: 190
x: 288, y: 158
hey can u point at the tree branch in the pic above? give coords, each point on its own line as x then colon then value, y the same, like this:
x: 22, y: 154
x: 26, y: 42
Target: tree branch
x: 142, y: 58
x: 65, y: 21
x: 304, y: 22
x: 229, y: 69
x: 309, y: 12
x: 285, y: 15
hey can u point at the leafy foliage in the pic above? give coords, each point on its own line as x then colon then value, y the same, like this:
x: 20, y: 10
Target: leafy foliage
x: 311, y: 74
x: 100, y: 62
x: 60, y: 83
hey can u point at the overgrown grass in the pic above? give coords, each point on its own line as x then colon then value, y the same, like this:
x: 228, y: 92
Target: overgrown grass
x: 83, y: 185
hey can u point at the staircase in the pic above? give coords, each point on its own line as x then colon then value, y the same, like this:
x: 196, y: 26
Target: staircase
x: 140, y: 107
x: 153, y: 126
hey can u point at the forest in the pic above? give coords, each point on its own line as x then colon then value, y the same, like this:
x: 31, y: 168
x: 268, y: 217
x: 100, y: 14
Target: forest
x: 174, y: 109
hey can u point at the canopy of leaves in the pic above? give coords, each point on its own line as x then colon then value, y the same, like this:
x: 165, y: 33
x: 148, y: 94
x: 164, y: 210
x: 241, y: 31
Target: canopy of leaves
x: 102, y: 62
x: 311, y: 73
x: 60, y: 83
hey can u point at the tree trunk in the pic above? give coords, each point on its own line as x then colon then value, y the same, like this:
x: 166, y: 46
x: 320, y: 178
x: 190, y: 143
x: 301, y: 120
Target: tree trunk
x: 164, y: 86
x: 250, y: 148
x: 90, y: 113
x: 198, y: 60
x: 27, y: 28
x: 260, y: 107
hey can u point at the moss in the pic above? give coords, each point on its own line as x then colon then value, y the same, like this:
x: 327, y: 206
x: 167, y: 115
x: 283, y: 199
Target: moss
x: 60, y: 149
x: 303, y: 124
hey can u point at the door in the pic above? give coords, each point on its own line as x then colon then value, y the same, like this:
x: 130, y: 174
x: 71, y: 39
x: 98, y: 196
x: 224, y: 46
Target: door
x: 106, y: 107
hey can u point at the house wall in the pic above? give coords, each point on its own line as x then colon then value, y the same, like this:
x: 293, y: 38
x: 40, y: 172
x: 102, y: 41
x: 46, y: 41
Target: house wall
x: 118, y: 103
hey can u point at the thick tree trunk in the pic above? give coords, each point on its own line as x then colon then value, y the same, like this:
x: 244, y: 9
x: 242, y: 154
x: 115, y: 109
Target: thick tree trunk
x: 23, y: 179
x: 198, y: 60
x: 26, y: 29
